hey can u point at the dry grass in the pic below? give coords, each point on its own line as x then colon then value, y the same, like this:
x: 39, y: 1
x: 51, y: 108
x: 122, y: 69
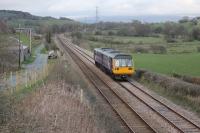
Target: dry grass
x: 172, y: 84
x: 190, y: 79
x: 56, y: 107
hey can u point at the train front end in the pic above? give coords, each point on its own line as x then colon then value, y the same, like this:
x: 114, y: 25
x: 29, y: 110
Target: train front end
x: 123, y: 66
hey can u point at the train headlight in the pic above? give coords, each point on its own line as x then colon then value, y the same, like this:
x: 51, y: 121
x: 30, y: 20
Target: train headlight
x: 116, y: 68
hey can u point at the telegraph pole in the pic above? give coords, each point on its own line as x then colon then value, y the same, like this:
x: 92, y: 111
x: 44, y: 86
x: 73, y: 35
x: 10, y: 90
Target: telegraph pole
x: 19, y: 47
x: 97, y: 17
x: 30, y: 40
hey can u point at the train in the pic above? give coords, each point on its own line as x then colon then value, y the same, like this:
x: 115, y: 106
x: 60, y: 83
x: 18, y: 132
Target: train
x: 117, y: 64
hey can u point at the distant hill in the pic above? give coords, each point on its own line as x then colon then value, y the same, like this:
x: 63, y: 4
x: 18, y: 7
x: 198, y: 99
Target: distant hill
x: 25, y: 19
x: 10, y: 15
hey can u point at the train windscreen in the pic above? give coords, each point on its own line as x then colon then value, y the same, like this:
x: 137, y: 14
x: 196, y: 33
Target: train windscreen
x: 123, y: 62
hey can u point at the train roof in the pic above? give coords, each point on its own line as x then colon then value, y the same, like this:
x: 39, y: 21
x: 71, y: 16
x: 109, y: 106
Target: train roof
x: 110, y: 52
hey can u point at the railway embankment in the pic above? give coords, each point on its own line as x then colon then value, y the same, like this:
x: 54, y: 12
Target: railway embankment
x: 178, y: 90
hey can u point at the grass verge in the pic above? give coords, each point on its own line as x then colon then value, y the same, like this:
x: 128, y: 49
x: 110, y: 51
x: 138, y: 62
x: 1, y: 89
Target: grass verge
x: 30, y: 60
x: 43, y: 51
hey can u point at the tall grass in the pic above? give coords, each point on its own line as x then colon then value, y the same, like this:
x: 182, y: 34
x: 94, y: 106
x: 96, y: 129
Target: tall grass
x: 55, y: 107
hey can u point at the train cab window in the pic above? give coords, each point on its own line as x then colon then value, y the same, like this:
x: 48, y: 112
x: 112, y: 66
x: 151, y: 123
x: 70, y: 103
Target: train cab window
x: 129, y: 62
x: 123, y: 62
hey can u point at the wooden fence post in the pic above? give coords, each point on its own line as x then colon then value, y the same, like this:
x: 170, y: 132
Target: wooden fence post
x: 16, y: 80
x: 11, y: 79
x: 35, y: 76
x: 81, y: 95
x: 26, y: 76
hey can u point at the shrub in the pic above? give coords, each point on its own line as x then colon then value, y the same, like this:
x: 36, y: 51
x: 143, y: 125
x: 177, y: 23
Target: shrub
x: 194, y: 80
x: 172, y: 85
x: 98, y: 33
x: 198, y: 49
x: 170, y: 40
x: 139, y: 49
x: 78, y: 35
x: 111, y: 33
x: 196, y: 33
x: 158, y: 49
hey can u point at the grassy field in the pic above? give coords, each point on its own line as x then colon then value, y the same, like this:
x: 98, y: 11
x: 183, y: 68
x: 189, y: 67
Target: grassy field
x: 187, y: 64
x: 181, y: 57
x: 134, y: 40
x: 130, y: 43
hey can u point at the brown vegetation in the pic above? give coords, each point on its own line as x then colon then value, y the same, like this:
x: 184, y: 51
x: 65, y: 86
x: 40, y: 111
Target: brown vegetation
x: 190, y: 79
x: 158, y: 49
x: 8, y: 54
x: 141, y: 49
x: 56, y: 107
x: 174, y: 85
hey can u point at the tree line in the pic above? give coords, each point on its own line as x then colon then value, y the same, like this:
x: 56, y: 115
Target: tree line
x: 186, y: 29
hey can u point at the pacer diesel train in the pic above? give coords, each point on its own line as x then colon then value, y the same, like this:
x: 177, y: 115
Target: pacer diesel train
x: 113, y: 62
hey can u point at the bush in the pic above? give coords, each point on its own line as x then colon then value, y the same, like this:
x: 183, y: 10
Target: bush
x: 158, y: 49
x: 78, y: 35
x: 196, y: 33
x: 198, y: 49
x: 194, y: 80
x: 98, y: 33
x: 111, y: 33
x: 170, y: 40
x: 48, y: 37
x: 139, y: 49
x: 172, y: 85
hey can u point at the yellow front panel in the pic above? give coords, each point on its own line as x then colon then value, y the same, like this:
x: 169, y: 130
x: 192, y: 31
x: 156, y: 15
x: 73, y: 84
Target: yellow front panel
x: 123, y: 71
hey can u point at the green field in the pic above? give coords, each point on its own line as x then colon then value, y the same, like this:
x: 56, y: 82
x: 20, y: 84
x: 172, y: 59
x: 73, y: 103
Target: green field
x: 134, y: 40
x: 181, y: 57
x: 130, y: 43
x: 186, y: 64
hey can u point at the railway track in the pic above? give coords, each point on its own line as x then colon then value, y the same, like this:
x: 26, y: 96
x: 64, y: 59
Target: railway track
x: 168, y: 116
x: 131, y: 119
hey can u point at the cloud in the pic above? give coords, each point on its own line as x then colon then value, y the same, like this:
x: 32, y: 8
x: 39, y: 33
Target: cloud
x: 106, y: 8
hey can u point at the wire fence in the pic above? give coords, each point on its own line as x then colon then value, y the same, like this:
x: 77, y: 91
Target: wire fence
x: 24, y: 78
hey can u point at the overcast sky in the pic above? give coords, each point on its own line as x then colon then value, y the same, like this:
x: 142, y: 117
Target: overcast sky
x: 86, y: 8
